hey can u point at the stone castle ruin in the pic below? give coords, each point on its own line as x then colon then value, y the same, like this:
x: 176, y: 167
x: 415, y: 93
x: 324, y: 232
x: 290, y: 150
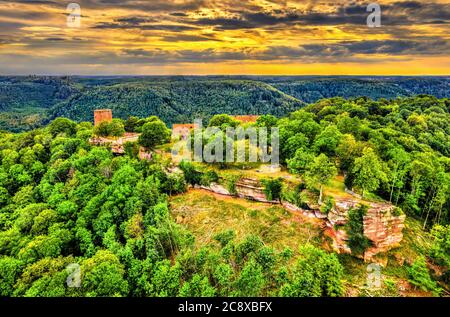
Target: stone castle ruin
x: 102, y: 115
x: 182, y: 131
x: 117, y: 145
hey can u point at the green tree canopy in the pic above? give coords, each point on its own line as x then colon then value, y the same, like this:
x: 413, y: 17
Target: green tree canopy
x: 369, y: 172
x: 115, y: 128
x: 62, y: 125
x: 320, y: 171
x: 154, y: 133
x: 222, y: 121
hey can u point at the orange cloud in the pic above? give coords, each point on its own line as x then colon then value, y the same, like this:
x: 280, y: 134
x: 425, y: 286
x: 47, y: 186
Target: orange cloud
x: 225, y: 37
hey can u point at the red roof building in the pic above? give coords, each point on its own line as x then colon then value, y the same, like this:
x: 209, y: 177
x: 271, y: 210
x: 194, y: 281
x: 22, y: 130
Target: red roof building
x: 246, y: 118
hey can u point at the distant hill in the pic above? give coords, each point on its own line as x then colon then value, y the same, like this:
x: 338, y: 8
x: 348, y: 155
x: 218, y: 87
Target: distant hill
x: 24, y: 101
x: 36, y: 92
x: 28, y: 102
x: 178, y: 101
x: 311, y: 90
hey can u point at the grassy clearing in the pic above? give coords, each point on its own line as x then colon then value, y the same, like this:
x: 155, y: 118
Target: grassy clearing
x: 207, y: 214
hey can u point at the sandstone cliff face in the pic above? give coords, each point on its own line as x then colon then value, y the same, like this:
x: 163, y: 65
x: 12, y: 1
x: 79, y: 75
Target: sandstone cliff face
x: 215, y: 188
x: 338, y: 237
x: 247, y: 188
x: 293, y: 208
x: 381, y: 226
x: 252, y: 189
x: 116, y: 144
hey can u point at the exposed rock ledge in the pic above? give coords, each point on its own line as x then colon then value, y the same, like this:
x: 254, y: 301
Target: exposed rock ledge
x: 381, y: 226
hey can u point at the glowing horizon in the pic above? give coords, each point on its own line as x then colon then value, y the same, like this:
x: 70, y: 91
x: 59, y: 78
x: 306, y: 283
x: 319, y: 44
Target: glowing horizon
x: 229, y: 37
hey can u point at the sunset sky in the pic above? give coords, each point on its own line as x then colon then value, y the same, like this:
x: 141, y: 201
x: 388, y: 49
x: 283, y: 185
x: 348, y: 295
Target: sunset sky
x: 261, y: 37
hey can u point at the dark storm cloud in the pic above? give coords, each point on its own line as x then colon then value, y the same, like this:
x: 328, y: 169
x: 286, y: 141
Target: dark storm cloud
x: 182, y: 56
x: 141, y: 5
x: 226, y: 23
x: 345, y: 51
x: 252, y: 16
x: 249, y: 20
x: 185, y: 22
x: 55, y: 42
x: 395, y: 47
x: 342, y: 51
x: 138, y: 57
x: 47, y: 2
x: 398, y: 13
x: 150, y: 5
x: 178, y: 14
x: 135, y: 20
x: 8, y: 28
x: 416, y: 12
x: 149, y: 27
x: 8, y: 25
x: 24, y: 14
x: 265, y: 19
x: 241, y: 15
x: 55, y: 39
x: 268, y: 19
x: 188, y: 38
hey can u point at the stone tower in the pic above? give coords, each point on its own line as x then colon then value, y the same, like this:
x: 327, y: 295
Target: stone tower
x: 101, y: 115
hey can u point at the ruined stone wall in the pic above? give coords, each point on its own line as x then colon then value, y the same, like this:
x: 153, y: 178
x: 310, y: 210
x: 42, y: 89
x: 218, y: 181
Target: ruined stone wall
x: 102, y: 115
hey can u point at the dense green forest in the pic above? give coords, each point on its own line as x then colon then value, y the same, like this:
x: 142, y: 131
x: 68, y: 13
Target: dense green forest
x: 397, y: 149
x: 312, y: 90
x: 33, y: 101
x: 67, y: 204
x: 178, y: 101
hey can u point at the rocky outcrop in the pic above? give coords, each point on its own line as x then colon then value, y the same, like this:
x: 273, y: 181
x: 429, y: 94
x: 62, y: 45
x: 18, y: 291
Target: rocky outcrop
x: 382, y: 226
x: 247, y: 188
x: 215, y: 188
x: 252, y: 189
x: 338, y: 215
x: 293, y: 208
x: 338, y: 238
x: 145, y: 155
x: 118, y: 145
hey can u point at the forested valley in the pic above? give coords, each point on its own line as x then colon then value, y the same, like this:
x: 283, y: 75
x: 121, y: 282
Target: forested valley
x: 33, y: 101
x: 65, y: 203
